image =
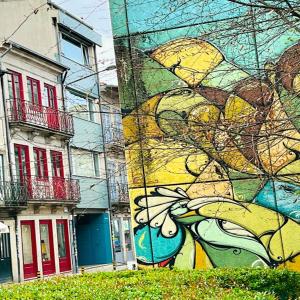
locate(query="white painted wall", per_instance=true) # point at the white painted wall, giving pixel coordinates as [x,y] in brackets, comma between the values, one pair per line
[33,21]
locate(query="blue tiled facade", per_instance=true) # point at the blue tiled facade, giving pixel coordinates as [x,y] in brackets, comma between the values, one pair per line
[93,225]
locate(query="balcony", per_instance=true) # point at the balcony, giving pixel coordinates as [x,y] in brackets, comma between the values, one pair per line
[12,195]
[114,139]
[53,190]
[119,194]
[46,118]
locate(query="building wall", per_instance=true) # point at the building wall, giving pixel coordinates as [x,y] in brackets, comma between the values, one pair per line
[35,26]
[212,137]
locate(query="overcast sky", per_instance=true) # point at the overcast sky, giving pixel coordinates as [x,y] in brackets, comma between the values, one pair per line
[96,13]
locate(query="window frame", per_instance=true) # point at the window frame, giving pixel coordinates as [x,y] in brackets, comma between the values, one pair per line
[18,148]
[41,155]
[50,87]
[21,87]
[89,103]
[84,47]
[96,164]
[32,80]
[57,164]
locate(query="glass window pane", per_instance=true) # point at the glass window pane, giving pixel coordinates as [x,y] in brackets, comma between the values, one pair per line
[61,241]
[45,243]
[96,164]
[86,58]
[1,168]
[117,236]
[26,244]
[72,49]
[77,105]
[36,163]
[10,88]
[17,163]
[17,87]
[83,162]
[91,110]
[127,235]
[29,90]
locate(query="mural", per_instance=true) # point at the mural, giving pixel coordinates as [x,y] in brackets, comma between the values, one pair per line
[212,144]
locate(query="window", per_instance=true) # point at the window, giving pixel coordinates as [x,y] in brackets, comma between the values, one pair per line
[117,242]
[96,164]
[106,117]
[50,99]
[75,50]
[112,180]
[80,106]
[57,164]
[22,162]
[34,91]
[86,163]
[40,163]
[127,234]
[15,86]
[61,240]
[1,168]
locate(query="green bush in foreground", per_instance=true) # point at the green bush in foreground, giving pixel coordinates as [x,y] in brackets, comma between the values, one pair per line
[163,284]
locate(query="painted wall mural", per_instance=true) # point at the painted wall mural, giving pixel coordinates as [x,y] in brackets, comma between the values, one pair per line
[211,107]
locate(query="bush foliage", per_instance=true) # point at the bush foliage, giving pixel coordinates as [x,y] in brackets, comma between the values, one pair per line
[214,284]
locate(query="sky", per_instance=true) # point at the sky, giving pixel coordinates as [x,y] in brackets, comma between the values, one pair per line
[96,13]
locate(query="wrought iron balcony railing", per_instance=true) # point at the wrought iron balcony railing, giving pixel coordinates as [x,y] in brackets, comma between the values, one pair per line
[12,194]
[114,138]
[41,116]
[51,189]
[119,194]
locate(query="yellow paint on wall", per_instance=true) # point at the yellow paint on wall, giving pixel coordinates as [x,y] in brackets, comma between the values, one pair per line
[164,163]
[147,122]
[213,181]
[190,59]
[202,261]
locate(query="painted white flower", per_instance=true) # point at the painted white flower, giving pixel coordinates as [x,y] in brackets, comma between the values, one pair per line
[157,210]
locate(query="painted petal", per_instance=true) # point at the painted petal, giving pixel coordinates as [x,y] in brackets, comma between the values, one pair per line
[153,201]
[169,228]
[159,219]
[169,193]
[146,215]
[199,202]
[235,229]
[182,192]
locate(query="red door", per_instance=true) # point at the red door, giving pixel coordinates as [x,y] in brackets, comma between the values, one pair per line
[29,249]
[63,245]
[23,167]
[47,250]
[34,110]
[58,175]
[52,109]
[16,95]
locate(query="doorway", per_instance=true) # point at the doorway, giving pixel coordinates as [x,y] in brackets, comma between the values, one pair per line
[5,258]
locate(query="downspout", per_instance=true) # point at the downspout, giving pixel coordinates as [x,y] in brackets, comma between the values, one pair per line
[74,240]
[106,169]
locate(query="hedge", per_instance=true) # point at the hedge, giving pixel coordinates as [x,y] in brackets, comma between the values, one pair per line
[213,284]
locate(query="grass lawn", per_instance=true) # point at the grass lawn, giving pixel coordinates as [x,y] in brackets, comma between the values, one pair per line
[163,284]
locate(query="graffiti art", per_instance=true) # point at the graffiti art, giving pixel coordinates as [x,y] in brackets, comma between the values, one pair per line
[212,151]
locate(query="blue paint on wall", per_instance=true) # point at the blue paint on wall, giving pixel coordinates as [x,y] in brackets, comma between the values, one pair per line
[168,247]
[287,198]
